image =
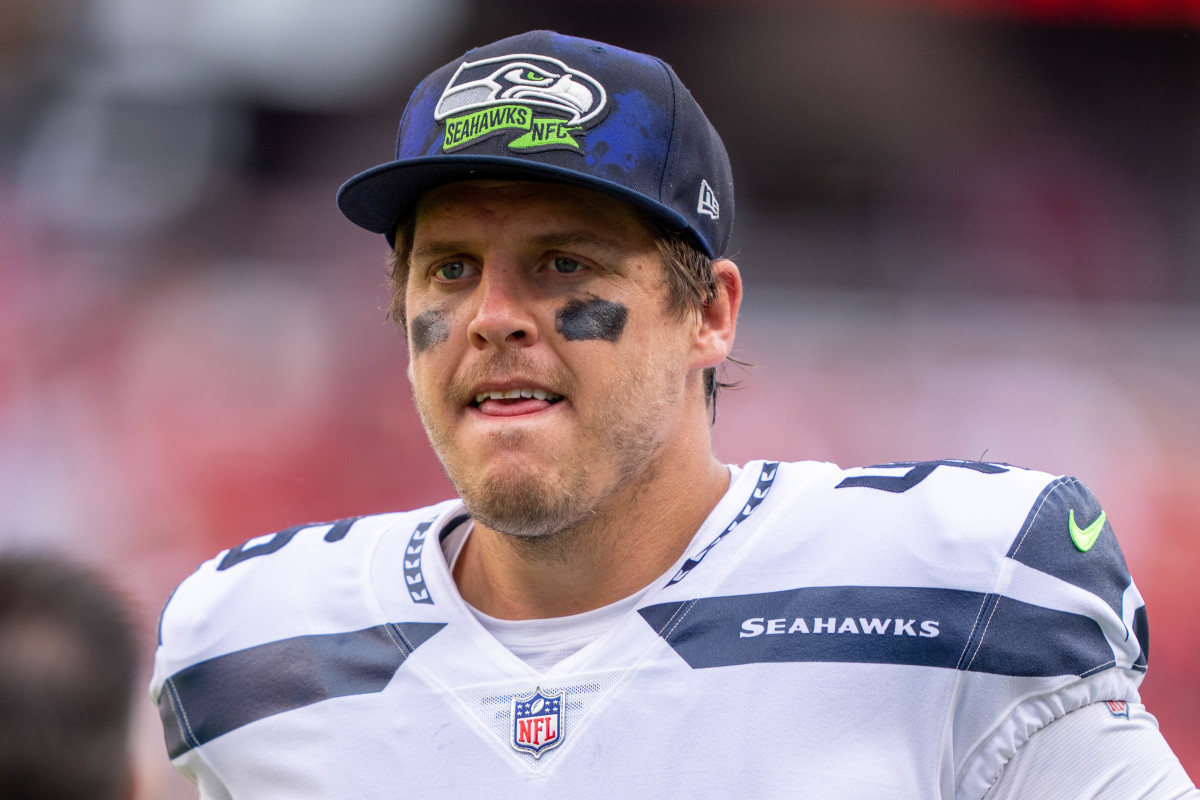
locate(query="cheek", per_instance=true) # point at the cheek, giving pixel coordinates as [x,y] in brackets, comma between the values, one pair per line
[427,330]
[591,319]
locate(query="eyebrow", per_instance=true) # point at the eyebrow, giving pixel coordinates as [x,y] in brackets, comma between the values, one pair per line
[568,239]
[435,249]
[563,240]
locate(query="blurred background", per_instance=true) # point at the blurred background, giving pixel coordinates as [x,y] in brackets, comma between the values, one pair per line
[969,228]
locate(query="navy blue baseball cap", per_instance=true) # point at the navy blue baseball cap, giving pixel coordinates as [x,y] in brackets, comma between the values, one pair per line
[543,106]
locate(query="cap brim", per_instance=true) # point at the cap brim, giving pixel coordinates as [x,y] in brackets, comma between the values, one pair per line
[378,198]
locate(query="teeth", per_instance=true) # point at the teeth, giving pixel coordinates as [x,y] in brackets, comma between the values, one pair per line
[513,394]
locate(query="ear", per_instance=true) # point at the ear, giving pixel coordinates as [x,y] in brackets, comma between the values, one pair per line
[718,322]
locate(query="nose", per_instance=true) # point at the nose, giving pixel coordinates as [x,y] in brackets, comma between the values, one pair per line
[503,314]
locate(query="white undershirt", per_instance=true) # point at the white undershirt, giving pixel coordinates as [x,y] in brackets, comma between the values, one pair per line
[542,643]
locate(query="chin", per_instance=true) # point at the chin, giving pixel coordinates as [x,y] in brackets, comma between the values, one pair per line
[524,505]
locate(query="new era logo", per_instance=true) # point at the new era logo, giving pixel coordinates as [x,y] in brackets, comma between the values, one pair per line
[708,205]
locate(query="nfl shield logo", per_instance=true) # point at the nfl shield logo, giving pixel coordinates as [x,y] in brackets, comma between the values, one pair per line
[537,722]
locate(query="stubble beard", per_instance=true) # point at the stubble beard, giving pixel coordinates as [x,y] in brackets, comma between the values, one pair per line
[543,509]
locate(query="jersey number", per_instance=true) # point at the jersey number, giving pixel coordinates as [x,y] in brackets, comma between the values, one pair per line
[248,550]
[918,471]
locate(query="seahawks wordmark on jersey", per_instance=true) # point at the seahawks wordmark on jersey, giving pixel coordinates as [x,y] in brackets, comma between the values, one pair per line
[888,632]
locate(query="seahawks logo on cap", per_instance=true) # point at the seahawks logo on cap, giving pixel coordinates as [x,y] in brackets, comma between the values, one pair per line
[515,94]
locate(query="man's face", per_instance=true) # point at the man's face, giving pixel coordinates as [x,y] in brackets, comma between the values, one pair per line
[545,365]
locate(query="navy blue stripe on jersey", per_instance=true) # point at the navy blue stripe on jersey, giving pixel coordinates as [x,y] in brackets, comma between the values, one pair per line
[1032,641]
[1141,629]
[766,478]
[451,526]
[881,625]
[1045,544]
[222,694]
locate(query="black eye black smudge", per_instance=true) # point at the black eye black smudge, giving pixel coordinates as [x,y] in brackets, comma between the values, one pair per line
[428,329]
[593,318]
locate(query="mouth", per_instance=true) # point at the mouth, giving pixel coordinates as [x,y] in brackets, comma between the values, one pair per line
[514,402]
[516,394]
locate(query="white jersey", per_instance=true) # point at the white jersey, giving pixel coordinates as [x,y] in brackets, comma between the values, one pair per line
[891,632]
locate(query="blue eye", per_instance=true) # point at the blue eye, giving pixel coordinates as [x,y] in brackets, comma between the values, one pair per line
[451,272]
[565,266]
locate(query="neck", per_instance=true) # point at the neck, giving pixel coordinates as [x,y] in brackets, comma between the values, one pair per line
[638,535]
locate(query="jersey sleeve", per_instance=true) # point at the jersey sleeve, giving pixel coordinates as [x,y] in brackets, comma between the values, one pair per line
[246,637]
[1104,751]
[179,642]
[1064,627]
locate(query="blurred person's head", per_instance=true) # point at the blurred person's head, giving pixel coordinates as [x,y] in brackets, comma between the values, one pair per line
[68,666]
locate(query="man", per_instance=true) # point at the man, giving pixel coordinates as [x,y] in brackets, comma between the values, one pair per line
[606,610]
[68,664]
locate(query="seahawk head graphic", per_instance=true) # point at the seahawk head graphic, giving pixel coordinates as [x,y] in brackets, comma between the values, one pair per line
[535,80]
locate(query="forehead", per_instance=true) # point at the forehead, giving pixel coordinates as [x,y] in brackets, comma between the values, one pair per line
[527,208]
